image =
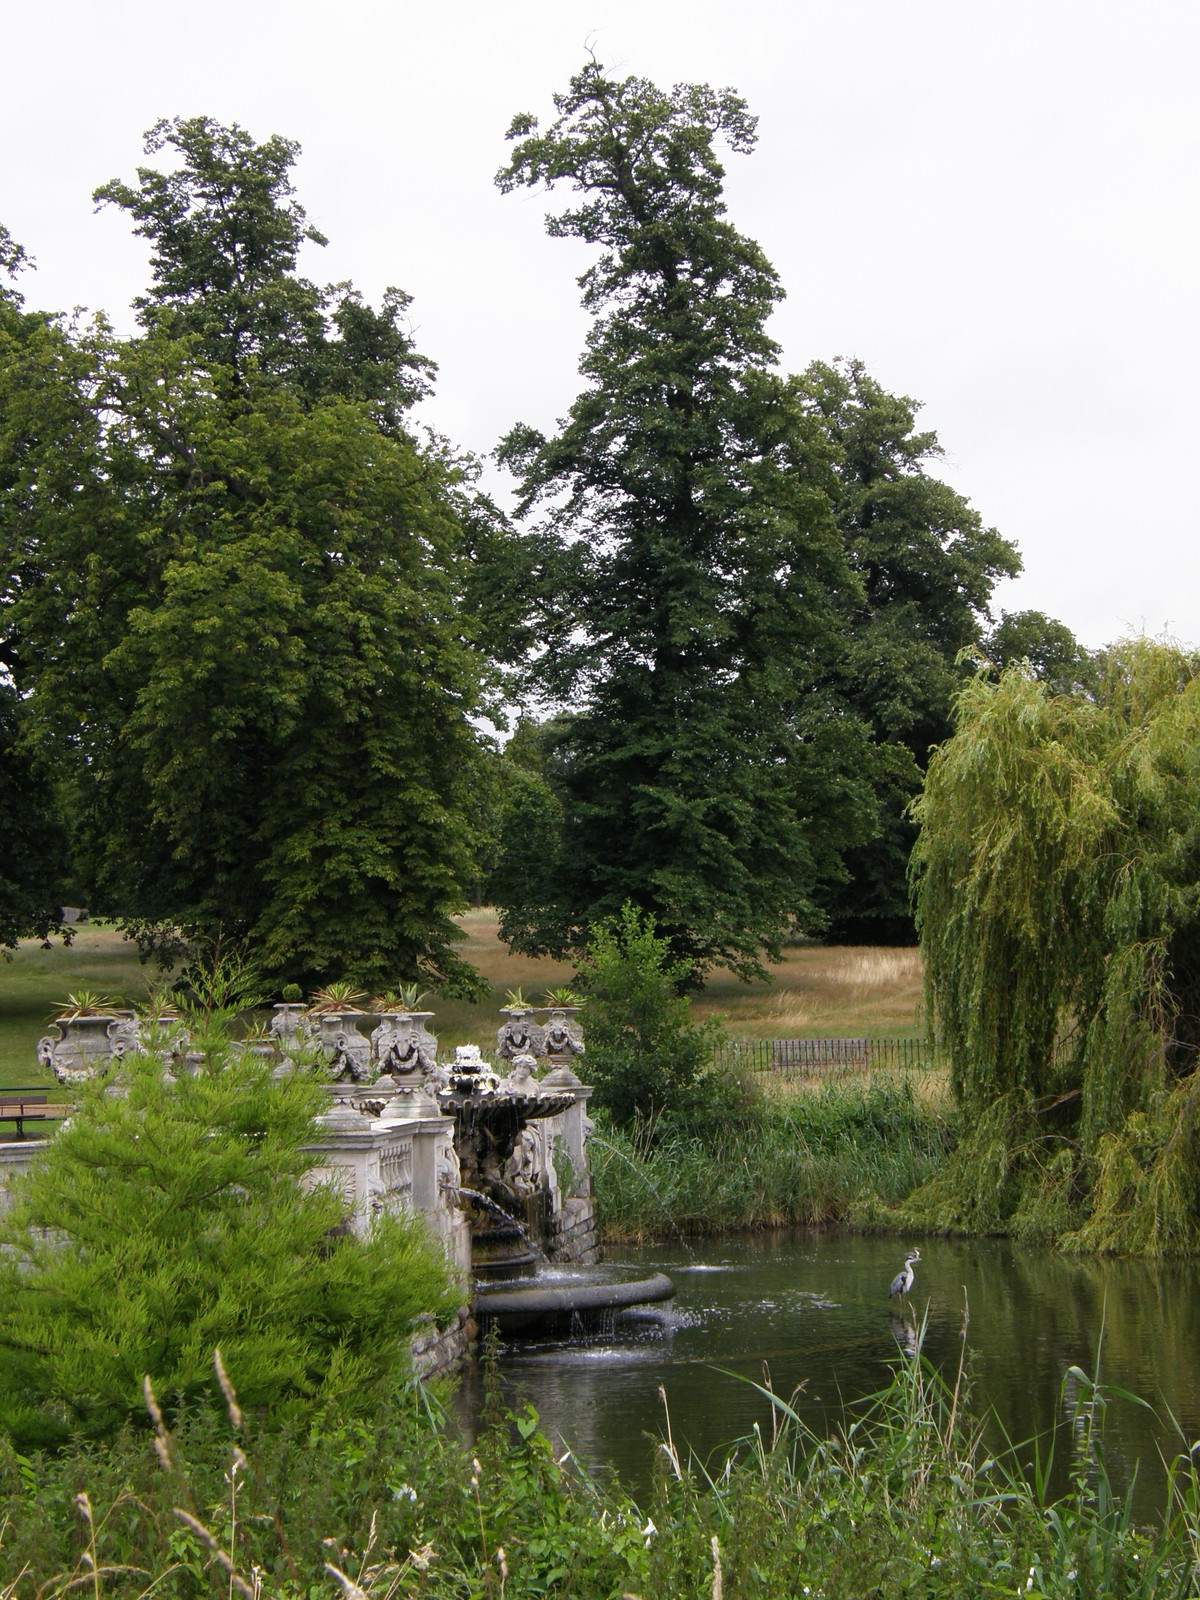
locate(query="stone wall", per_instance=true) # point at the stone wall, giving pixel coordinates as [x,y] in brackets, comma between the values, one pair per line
[435,1350]
[573,1233]
[16,1158]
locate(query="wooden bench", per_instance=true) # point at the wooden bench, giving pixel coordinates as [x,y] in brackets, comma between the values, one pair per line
[29,1105]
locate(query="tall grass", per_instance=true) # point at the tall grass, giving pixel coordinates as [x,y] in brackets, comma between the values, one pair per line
[900,1500]
[828,1155]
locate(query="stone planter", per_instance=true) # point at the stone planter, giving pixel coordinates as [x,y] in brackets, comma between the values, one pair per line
[563,1035]
[87,1045]
[402,1044]
[290,1027]
[405,1053]
[346,1050]
[520,1034]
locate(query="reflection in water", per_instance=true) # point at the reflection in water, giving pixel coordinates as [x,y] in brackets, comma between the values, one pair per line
[812,1310]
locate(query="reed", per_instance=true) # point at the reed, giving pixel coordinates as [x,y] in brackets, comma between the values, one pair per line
[832,1154]
[900,1499]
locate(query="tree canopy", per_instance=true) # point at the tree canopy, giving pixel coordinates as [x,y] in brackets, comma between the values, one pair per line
[687,498]
[252,626]
[236,590]
[1056,878]
[927,566]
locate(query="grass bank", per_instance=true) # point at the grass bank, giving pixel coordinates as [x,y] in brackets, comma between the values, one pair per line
[900,1501]
[833,1152]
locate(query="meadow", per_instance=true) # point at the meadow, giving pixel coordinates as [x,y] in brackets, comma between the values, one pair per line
[816,991]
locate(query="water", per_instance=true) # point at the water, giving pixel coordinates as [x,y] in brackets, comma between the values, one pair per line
[814,1309]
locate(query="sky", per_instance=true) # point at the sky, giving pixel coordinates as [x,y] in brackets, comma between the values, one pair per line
[992,205]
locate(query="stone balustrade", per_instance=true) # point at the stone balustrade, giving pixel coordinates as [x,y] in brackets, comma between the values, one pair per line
[384,1143]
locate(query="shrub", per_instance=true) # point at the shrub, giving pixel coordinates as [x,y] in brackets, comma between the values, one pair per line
[169,1217]
[645,1056]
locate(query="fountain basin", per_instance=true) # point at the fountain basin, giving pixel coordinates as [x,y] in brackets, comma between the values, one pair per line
[544,1305]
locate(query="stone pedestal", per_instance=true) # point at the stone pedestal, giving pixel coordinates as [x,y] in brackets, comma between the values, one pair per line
[348,1161]
[393,1164]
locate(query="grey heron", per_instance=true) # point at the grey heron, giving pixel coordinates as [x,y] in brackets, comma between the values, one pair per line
[903,1281]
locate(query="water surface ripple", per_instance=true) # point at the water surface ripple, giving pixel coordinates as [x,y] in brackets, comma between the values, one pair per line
[813,1308]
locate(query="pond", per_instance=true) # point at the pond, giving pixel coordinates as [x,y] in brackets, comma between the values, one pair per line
[813,1307]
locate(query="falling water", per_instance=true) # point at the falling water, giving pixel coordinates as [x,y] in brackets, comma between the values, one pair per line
[638,1173]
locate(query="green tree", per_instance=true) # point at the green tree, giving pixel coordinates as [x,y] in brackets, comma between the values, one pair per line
[171,1218]
[645,1056]
[34,865]
[927,567]
[251,617]
[688,600]
[226,231]
[1056,878]
[33,838]
[1051,649]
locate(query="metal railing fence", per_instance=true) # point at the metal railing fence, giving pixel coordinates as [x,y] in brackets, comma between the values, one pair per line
[803,1056]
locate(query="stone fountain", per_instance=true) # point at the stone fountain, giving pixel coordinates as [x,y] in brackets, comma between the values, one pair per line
[505,1178]
[496,1161]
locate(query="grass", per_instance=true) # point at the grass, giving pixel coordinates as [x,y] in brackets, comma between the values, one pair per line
[901,1500]
[817,990]
[839,1152]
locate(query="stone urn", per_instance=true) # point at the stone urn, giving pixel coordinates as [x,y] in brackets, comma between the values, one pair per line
[519,1034]
[87,1044]
[290,1026]
[405,1055]
[563,1035]
[347,1051]
[402,1044]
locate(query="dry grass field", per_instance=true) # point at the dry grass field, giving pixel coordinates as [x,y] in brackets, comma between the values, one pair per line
[817,990]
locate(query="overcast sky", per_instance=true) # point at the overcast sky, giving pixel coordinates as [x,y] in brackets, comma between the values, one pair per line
[993,205]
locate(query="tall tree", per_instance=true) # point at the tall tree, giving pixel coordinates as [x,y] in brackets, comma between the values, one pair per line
[226,231]
[927,567]
[245,618]
[33,831]
[688,494]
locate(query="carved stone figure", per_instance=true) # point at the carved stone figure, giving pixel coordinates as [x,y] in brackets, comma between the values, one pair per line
[402,1044]
[347,1051]
[520,1079]
[519,1034]
[563,1035]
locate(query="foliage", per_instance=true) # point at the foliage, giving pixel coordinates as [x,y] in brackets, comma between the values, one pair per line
[33,824]
[927,568]
[225,233]
[236,590]
[338,996]
[169,1217]
[1055,656]
[1056,881]
[687,603]
[33,882]
[83,1003]
[899,1500]
[564,995]
[838,1153]
[645,1056]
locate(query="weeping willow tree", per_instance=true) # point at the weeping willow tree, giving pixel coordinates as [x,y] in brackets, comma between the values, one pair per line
[1057,887]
